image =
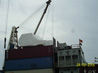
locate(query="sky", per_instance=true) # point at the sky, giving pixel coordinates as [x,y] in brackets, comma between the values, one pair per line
[66,20]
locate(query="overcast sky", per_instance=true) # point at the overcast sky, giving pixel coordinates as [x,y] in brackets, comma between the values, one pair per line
[66,20]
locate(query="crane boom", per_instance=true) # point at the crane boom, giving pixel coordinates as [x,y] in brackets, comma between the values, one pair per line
[48,3]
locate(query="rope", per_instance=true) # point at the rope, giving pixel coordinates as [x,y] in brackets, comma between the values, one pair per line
[27,19]
[45,24]
[52,20]
[51,34]
[6,22]
[1,35]
[0,2]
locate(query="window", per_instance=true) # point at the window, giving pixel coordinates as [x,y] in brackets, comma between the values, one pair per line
[68,60]
[79,51]
[61,52]
[75,56]
[61,58]
[68,57]
[75,59]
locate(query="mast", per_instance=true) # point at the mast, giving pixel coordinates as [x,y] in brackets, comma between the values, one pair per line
[48,3]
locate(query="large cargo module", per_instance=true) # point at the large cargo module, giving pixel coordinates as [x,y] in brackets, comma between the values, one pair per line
[30,52]
[32,71]
[30,63]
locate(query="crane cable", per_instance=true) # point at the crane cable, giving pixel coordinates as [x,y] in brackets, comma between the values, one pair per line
[43,33]
[30,16]
[52,22]
[6,23]
[43,14]
[0,2]
[52,19]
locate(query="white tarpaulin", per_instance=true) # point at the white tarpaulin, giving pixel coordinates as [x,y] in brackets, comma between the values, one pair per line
[32,40]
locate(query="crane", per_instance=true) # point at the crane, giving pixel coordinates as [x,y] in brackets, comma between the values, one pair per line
[13,41]
[48,3]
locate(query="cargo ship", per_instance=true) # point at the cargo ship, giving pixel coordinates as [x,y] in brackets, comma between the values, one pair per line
[35,58]
[44,56]
[30,54]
